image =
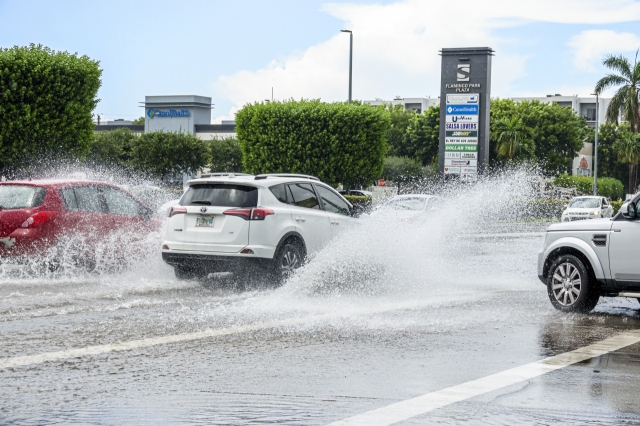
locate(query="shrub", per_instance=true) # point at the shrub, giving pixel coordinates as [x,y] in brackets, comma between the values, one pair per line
[616,205]
[360,204]
[338,143]
[607,187]
[226,155]
[46,100]
[168,154]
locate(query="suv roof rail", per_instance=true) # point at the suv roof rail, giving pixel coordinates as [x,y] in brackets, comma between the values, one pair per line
[221,174]
[289,175]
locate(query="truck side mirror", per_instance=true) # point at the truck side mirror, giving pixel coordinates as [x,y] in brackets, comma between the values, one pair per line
[629,210]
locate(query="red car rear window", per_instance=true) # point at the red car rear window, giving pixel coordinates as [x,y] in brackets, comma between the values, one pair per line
[21,196]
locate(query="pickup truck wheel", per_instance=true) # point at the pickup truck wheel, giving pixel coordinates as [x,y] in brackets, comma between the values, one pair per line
[570,287]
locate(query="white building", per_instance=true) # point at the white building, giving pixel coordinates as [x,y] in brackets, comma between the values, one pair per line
[176,113]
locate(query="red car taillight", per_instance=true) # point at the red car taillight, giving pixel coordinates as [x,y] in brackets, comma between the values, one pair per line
[38,219]
[258,213]
[177,210]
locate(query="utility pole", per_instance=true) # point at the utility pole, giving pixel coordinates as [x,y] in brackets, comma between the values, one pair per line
[350,58]
[595,150]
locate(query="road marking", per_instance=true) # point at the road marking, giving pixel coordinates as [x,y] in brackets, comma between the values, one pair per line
[404,410]
[163,340]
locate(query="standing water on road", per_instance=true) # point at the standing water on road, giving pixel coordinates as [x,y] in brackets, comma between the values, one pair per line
[386,262]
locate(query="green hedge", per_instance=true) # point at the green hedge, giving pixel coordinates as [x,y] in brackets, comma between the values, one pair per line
[338,143]
[46,100]
[607,187]
[360,203]
[616,205]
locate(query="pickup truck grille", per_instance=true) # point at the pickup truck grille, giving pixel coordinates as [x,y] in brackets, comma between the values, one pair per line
[599,240]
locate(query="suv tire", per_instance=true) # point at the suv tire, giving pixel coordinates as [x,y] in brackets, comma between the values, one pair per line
[570,286]
[288,258]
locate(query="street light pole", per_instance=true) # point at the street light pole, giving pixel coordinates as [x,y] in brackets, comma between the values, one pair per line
[350,58]
[595,150]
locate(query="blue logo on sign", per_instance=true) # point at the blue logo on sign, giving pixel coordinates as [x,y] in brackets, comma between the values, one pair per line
[462,109]
[171,113]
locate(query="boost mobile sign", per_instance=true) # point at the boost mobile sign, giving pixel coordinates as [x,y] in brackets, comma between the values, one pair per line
[464,112]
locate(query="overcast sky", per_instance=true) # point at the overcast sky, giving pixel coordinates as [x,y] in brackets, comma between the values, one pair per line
[236,51]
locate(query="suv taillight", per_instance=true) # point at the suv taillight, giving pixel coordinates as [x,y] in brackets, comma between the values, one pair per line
[177,210]
[38,219]
[257,213]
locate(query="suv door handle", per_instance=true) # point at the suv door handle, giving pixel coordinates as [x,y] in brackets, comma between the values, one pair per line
[300,219]
[617,230]
[333,222]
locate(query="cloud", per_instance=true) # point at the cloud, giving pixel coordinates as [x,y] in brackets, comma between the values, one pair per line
[592,45]
[396,47]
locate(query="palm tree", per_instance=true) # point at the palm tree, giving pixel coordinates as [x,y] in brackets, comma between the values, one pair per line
[511,135]
[628,150]
[626,98]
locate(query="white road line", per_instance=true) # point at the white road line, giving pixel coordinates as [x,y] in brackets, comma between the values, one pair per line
[153,341]
[403,410]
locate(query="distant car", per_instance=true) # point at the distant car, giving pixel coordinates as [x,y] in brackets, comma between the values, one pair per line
[410,205]
[357,192]
[245,223]
[38,216]
[587,207]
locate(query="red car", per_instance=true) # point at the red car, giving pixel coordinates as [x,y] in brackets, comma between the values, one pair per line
[43,216]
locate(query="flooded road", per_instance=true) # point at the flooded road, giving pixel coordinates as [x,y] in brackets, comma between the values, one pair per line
[391,311]
[345,352]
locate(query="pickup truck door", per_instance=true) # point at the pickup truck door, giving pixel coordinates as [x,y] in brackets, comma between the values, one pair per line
[624,253]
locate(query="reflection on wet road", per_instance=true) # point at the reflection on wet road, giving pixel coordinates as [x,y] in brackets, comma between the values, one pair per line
[443,306]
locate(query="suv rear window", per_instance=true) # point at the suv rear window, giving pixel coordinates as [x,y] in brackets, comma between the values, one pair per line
[220,195]
[21,196]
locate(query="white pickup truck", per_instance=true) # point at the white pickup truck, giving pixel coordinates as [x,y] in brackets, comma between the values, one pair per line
[583,260]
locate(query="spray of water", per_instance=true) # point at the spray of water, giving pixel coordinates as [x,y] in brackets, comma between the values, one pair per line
[384,260]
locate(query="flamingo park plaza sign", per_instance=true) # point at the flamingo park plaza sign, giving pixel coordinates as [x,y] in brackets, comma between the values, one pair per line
[464,112]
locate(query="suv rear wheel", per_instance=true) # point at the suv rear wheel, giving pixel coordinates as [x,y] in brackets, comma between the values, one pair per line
[288,258]
[570,287]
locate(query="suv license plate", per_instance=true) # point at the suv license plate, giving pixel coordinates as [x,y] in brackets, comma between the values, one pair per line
[204,221]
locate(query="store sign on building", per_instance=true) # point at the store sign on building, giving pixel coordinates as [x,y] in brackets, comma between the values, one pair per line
[170,113]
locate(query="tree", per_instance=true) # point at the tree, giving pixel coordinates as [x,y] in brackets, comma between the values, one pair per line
[169,155]
[628,150]
[113,147]
[422,138]
[46,100]
[627,97]
[338,142]
[512,137]
[399,121]
[401,170]
[226,155]
[138,121]
[608,163]
[557,133]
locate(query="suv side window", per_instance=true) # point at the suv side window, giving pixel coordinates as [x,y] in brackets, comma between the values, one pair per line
[332,202]
[121,203]
[83,199]
[280,192]
[304,196]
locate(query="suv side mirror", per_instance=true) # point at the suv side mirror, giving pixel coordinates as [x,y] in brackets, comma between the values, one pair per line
[629,210]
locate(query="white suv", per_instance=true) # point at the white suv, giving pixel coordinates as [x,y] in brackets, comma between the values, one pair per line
[583,260]
[238,222]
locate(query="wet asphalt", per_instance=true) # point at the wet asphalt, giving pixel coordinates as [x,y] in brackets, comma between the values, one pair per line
[346,353]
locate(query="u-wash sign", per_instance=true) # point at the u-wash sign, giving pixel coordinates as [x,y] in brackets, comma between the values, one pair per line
[170,113]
